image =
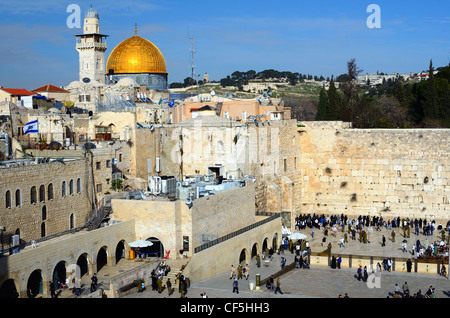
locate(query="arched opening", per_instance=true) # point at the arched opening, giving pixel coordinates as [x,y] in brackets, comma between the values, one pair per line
[8,289]
[120,251]
[71,222]
[35,284]
[50,192]
[59,274]
[18,198]
[44,213]
[254,250]
[264,245]
[8,199]
[33,195]
[43,229]
[243,257]
[41,193]
[102,258]
[63,189]
[71,187]
[275,242]
[82,263]
[156,250]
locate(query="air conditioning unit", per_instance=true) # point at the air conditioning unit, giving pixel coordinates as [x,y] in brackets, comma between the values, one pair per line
[15,240]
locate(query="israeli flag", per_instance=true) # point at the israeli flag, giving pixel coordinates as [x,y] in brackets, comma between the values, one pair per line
[31,128]
[171,103]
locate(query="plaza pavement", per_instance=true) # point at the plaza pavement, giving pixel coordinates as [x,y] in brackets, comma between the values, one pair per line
[323,281]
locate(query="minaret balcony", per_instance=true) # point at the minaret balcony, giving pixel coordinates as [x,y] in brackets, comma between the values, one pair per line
[91,45]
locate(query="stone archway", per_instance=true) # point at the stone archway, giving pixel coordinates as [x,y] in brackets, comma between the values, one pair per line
[59,274]
[83,264]
[265,245]
[35,284]
[120,251]
[102,258]
[254,251]
[9,289]
[243,257]
[156,250]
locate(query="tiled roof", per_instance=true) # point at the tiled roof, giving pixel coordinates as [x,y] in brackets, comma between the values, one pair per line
[18,91]
[50,88]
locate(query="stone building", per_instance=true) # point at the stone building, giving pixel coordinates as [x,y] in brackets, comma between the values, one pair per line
[40,199]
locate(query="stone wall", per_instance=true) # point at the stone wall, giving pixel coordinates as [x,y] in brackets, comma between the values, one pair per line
[169,221]
[270,153]
[387,172]
[68,249]
[62,212]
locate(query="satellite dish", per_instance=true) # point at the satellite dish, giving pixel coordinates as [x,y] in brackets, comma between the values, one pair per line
[86,80]
[213,93]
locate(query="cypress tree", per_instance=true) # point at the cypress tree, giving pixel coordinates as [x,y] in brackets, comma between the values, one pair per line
[334,102]
[432,100]
[323,108]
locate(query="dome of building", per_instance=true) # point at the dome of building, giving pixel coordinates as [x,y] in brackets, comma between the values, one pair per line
[136,55]
[91,13]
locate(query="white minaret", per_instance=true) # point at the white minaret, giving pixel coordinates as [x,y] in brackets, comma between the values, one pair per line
[91,46]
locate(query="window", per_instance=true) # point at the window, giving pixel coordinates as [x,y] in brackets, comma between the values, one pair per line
[97,165]
[78,185]
[33,195]
[42,193]
[244,115]
[71,222]
[50,192]
[120,157]
[285,165]
[63,190]
[44,213]
[71,187]
[18,198]
[108,163]
[99,188]
[8,199]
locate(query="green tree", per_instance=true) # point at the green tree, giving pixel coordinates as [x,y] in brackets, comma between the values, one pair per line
[334,101]
[431,109]
[323,108]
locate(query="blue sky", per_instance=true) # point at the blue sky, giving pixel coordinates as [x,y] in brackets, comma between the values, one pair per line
[309,37]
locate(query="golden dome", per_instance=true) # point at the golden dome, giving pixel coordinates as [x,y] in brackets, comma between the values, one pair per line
[134,56]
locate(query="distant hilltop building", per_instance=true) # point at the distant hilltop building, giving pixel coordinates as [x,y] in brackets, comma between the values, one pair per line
[134,72]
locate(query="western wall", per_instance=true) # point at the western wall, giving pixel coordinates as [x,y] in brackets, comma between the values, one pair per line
[385,172]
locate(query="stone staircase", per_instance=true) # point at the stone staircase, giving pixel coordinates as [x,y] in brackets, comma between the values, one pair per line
[175,269]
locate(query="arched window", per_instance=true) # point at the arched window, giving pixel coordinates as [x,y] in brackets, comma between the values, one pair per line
[63,191]
[32,195]
[44,213]
[8,199]
[71,187]
[18,198]
[42,193]
[50,192]
[78,185]
[71,222]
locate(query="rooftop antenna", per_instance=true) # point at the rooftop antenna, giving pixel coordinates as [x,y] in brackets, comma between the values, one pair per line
[192,64]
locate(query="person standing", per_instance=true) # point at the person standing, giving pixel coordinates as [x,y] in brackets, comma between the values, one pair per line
[169,287]
[52,290]
[383,241]
[408,265]
[236,286]
[246,271]
[278,286]
[232,272]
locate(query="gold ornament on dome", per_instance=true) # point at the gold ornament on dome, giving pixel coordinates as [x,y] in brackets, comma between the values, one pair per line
[136,55]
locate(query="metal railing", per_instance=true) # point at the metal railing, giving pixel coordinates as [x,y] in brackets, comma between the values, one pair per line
[235,233]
